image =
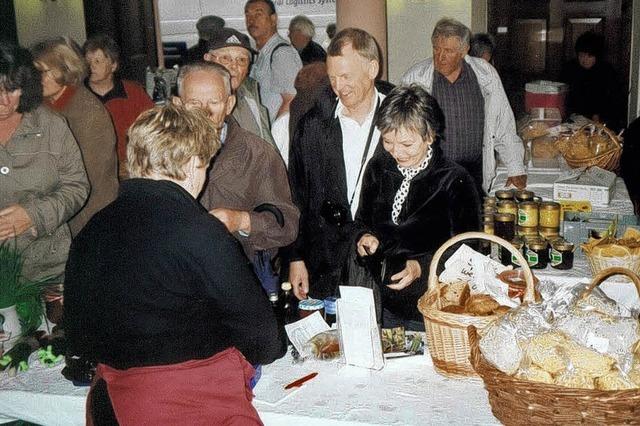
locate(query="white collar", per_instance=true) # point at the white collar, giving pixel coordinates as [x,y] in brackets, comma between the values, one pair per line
[340,108]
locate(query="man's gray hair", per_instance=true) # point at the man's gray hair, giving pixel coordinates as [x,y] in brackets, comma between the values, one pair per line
[449,27]
[208,67]
[304,25]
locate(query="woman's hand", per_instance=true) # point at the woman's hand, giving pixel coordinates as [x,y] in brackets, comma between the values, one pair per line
[367,245]
[14,221]
[407,276]
[299,278]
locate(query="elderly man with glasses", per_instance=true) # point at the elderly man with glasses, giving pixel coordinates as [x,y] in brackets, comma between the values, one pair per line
[232,49]
[247,187]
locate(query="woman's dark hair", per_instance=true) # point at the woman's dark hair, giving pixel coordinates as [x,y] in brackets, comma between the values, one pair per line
[105,43]
[591,43]
[18,72]
[480,43]
[411,108]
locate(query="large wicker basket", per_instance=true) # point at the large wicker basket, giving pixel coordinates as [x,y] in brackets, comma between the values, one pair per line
[609,160]
[447,336]
[521,402]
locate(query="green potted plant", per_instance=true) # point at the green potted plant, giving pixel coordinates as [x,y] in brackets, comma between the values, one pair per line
[21,308]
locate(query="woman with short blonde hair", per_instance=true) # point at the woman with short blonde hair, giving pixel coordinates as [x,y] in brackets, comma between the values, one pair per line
[161,144]
[161,296]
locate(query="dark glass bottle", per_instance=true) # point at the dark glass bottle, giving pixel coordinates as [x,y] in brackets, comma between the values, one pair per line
[288,304]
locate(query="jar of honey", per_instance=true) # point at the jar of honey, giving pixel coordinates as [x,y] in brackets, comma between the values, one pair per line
[309,306]
[549,213]
[504,194]
[561,255]
[549,234]
[508,206]
[524,195]
[489,210]
[528,214]
[518,243]
[489,201]
[504,225]
[537,254]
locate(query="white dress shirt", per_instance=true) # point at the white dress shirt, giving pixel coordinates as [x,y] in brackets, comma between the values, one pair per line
[354,140]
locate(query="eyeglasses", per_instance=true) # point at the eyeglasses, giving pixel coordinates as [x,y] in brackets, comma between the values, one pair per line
[226,60]
[196,104]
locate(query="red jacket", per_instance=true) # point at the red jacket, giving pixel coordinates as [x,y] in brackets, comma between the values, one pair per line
[124,102]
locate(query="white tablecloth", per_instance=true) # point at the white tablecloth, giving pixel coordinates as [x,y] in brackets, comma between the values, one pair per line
[541,181]
[406,392]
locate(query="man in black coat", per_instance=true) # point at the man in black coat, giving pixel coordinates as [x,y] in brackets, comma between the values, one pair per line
[329,152]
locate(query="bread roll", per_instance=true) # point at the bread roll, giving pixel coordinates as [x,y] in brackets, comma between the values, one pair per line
[614,380]
[481,305]
[455,293]
[453,309]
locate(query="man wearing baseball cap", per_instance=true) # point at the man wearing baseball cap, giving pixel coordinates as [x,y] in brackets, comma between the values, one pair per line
[232,49]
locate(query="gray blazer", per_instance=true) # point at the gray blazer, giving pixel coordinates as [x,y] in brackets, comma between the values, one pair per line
[247,93]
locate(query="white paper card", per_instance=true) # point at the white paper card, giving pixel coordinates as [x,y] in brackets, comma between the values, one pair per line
[300,332]
[359,334]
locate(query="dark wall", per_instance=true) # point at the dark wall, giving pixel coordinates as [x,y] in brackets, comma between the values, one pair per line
[8,29]
[131,24]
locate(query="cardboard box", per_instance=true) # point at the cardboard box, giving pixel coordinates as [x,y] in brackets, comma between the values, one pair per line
[577,227]
[585,184]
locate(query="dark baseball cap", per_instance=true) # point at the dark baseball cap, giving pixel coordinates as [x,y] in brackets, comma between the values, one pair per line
[229,37]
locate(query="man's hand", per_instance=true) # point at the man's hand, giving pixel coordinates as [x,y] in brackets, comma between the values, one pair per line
[407,276]
[14,221]
[519,182]
[299,279]
[367,245]
[234,220]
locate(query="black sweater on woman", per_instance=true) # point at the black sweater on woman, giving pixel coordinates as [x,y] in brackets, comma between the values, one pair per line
[154,279]
[442,202]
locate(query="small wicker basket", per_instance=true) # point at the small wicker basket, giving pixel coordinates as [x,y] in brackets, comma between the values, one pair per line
[600,263]
[521,402]
[447,336]
[609,160]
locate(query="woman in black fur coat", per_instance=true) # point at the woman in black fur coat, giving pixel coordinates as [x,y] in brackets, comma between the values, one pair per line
[413,200]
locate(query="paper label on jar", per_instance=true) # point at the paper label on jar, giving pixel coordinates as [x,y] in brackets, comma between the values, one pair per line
[523,217]
[514,260]
[556,257]
[532,257]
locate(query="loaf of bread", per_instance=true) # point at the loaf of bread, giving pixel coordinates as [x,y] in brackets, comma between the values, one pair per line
[575,378]
[535,374]
[480,305]
[614,380]
[544,351]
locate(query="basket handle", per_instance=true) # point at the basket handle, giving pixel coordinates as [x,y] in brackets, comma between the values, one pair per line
[608,131]
[606,273]
[434,283]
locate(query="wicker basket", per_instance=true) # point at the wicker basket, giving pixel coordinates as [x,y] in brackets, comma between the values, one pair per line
[600,263]
[447,335]
[520,402]
[609,160]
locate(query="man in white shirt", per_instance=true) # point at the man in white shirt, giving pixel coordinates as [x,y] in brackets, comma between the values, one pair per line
[328,155]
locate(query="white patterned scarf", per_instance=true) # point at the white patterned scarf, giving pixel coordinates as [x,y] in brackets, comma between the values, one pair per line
[409,173]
